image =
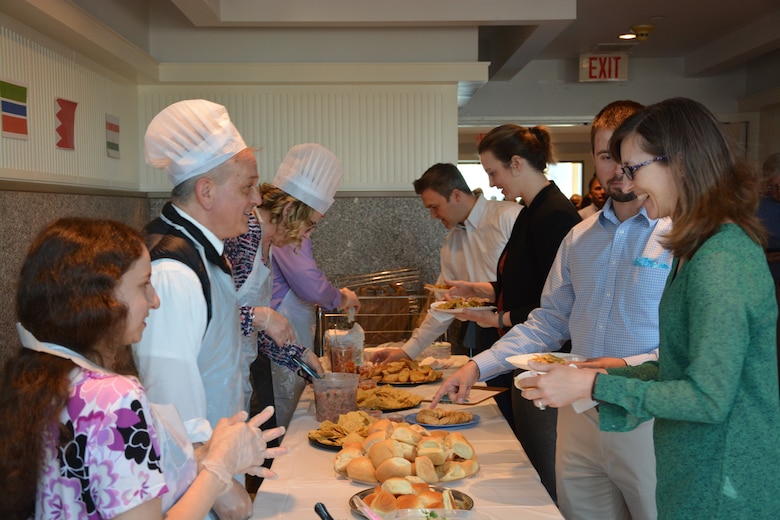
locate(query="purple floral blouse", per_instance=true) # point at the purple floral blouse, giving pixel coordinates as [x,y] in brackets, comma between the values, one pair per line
[104,458]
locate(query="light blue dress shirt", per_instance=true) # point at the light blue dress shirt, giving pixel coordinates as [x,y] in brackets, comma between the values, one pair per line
[602,292]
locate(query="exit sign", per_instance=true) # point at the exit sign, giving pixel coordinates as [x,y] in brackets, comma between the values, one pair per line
[604,67]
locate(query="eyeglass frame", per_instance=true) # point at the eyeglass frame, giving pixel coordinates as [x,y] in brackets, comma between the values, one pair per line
[629,171]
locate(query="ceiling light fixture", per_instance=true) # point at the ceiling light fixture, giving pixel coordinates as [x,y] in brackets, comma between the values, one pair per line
[642,31]
[627,36]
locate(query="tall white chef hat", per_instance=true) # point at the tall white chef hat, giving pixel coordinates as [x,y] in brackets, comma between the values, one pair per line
[310,173]
[189,138]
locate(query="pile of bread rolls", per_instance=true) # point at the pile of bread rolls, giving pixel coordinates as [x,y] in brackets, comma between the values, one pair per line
[400,450]
[399,493]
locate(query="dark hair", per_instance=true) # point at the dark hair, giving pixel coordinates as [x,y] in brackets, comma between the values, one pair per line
[611,116]
[593,180]
[298,216]
[442,178]
[532,144]
[714,184]
[65,296]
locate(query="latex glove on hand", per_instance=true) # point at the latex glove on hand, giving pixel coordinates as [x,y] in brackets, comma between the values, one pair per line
[274,325]
[238,446]
[311,359]
[349,299]
[388,355]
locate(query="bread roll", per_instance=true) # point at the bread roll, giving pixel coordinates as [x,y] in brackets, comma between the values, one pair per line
[384,502]
[420,487]
[373,438]
[424,468]
[429,497]
[406,435]
[448,500]
[452,470]
[408,451]
[395,467]
[398,486]
[456,443]
[360,468]
[383,450]
[344,456]
[369,498]
[433,448]
[408,502]
[381,425]
[470,467]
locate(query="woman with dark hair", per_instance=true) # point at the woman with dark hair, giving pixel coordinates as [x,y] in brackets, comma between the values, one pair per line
[515,159]
[713,391]
[79,437]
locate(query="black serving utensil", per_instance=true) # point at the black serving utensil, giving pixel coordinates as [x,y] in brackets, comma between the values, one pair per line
[322,511]
[306,368]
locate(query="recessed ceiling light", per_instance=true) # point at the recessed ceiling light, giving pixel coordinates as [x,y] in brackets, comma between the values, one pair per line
[627,36]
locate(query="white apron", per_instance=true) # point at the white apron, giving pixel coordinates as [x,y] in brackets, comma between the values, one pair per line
[177,457]
[287,385]
[256,292]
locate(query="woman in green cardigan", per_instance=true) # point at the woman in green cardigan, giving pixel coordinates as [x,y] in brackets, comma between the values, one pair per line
[714,390]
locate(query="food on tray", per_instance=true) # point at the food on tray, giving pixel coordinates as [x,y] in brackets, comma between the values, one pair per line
[352,426]
[549,359]
[463,303]
[398,450]
[399,493]
[403,371]
[441,416]
[386,397]
[437,286]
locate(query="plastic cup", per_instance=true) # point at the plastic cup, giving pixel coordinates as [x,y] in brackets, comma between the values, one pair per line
[335,394]
[343,358]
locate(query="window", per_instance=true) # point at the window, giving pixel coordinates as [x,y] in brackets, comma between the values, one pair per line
[566,175]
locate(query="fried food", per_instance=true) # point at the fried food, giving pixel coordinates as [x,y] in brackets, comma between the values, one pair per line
[386,397]
[463,303]
[403,371]
[548,359]
[441,416]
[431,287]
[349,424]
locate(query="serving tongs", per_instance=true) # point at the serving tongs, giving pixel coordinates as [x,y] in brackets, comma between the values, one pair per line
[306,368]
[322,511]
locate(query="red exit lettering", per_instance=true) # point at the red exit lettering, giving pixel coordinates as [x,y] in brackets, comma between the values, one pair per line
[604,67]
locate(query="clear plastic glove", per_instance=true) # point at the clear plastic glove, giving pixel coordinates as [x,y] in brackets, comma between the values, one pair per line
[311,359]
[237,446]
[349,299]
[387,355]
[274,324]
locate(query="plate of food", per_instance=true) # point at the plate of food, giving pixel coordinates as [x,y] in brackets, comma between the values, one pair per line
[351,427]
[561,358]
[387,399]
[458,305]
[441,418]
[403,372]
[399,496]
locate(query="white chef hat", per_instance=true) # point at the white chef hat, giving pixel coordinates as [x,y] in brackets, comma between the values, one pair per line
[189,138]
[310,173]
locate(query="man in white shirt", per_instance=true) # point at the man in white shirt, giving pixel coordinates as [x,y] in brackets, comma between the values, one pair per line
[190,354]
[602,292]
[479,230]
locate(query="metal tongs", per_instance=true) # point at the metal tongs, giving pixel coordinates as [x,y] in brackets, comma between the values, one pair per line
[322,511]
[306,368]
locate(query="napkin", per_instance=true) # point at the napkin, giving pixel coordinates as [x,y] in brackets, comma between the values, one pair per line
[579,406]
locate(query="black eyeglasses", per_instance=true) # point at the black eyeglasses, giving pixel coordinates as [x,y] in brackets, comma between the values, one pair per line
[629,171]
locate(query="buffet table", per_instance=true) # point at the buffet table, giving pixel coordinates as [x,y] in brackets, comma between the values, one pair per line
[506,487]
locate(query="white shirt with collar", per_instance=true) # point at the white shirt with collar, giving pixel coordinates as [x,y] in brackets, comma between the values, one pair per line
[470,252]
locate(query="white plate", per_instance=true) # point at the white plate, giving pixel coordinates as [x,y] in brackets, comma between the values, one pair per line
[435,306]
[521,360]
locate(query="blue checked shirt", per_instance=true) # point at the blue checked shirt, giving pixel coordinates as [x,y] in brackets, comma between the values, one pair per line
[602,292]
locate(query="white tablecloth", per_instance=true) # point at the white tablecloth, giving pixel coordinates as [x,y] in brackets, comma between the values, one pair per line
[506,487]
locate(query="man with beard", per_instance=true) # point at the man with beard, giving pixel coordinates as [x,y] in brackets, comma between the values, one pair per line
[602,293]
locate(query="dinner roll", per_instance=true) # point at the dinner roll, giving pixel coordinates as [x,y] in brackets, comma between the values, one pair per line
[452,470]
[470,467]
[406,435]
[456,443]
[395,467]
[381,425]
[398,486]
[433,448]
[424,468]
[384,502]
[448,500]
[383,450]
[420,487]
[373,438]
[408,502]
[361,468]
[429,497]
[344,456]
